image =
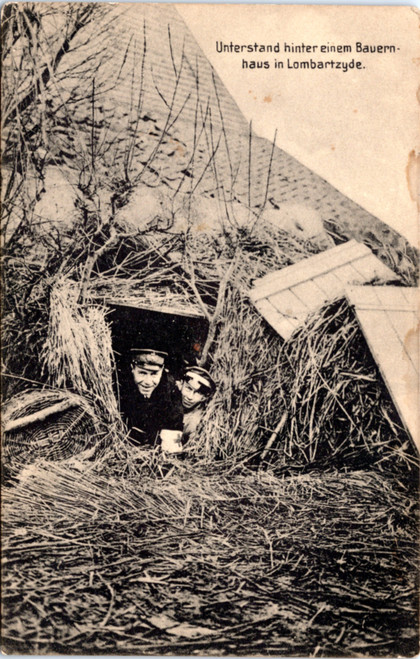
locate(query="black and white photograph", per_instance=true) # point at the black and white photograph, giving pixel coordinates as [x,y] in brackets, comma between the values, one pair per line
[210,330]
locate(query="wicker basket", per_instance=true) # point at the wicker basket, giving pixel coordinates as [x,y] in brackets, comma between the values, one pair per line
[50,424]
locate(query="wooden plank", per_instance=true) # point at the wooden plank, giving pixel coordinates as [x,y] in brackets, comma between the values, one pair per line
[383,297]
[323,257]
[392,297]
[399,314]
[282,325]
[379,307]
[289,305]
[411,295]
[283,329]
[405,324]
[307,269]
[406,297]
[331,285]
[362,294]
[348,275]
[144,305]
[389,353]
[372,268]
[397,370]
[310,293]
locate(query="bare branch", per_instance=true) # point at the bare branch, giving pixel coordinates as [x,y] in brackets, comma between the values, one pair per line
[81,20]
[249,163]
[130,152]
[171,51]
[193,285]
[267,184]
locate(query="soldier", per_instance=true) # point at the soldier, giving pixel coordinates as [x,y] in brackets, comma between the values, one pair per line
[197,387]
[151,403]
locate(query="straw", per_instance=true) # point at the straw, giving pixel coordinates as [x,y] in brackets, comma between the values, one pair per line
[78,351]
[340,410]
[210,563]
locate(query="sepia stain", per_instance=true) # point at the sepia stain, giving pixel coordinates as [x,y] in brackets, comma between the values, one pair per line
[411,343]
[332,147]
[355,111]
[412,172]
[202,226]
[267,99]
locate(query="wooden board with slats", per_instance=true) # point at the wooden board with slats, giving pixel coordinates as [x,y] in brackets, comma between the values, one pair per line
[286,297]
[389,319]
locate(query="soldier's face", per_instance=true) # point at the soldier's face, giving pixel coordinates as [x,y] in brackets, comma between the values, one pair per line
[191,394]
[146,377]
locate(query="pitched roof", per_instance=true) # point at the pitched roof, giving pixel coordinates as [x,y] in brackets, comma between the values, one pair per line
[203,100]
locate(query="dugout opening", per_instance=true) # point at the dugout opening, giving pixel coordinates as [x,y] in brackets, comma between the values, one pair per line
[180,333]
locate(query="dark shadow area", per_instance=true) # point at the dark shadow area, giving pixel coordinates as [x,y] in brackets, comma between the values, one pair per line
[182,336]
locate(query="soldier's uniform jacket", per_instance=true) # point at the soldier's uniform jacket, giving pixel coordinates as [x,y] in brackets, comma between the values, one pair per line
[146,417]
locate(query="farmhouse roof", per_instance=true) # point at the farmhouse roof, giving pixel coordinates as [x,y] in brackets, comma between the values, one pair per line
[167,37]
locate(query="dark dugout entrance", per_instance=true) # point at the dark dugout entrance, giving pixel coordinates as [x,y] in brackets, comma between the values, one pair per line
[180,333]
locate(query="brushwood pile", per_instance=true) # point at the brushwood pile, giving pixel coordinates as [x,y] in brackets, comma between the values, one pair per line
[209,563]
[289,524]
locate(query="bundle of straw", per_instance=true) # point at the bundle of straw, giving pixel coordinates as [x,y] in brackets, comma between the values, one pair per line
[246,367]
[245,358]
[78,351]
[25,309]
[340,410]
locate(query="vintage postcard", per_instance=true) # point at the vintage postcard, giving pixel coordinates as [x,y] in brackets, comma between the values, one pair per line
[210,362]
